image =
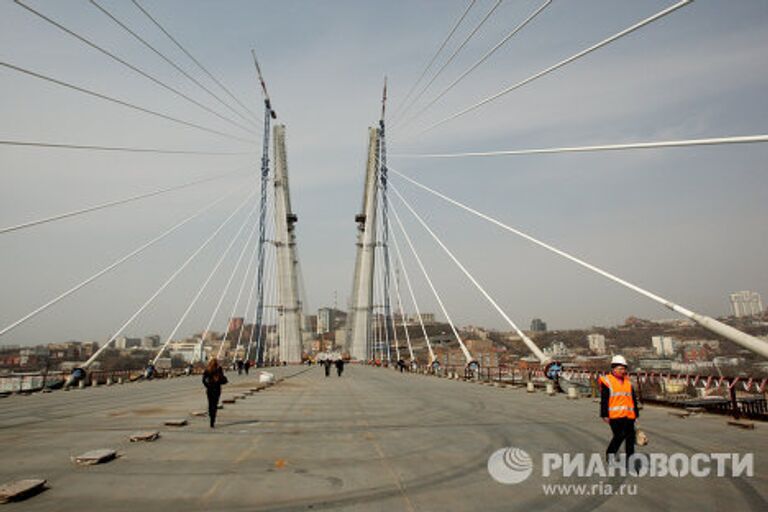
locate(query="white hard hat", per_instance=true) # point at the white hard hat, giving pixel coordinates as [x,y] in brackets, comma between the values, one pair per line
[619,360]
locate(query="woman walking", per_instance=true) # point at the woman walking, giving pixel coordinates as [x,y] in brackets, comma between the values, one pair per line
[213,379]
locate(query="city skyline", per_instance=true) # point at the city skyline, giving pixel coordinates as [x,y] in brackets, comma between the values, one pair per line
[685,223]
[411,319]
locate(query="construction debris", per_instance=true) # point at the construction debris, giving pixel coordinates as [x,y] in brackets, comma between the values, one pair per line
[746,425]
[21,489]
[144,436]
[95,457]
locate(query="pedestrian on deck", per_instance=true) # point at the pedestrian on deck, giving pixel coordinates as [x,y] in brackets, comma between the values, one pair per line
[618,408]
[150,371]
[246,366]
[327,365]
[339,367]
[213,379]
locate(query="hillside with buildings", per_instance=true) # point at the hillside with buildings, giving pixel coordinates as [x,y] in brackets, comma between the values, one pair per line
[677,345]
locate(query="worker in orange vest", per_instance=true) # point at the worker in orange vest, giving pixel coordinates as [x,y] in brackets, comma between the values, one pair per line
[618,407]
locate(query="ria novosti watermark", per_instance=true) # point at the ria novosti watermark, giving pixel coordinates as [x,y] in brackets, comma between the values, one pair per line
[512,466]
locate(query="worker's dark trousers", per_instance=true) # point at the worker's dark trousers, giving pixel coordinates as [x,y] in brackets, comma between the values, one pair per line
[623,432]
[213,403]
[327,370]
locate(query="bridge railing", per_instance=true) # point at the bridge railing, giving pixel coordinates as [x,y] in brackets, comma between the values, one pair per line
[741,396]
[29,382]
[38,381]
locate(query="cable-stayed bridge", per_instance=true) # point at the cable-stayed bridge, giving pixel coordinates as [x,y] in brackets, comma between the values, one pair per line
[401,428]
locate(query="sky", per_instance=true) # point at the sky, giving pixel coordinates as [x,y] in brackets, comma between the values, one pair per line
[686,223]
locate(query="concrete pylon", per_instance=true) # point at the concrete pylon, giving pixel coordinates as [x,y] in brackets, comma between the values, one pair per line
[289,306]
[361,311]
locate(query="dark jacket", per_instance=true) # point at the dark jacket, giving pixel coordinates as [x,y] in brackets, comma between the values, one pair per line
[605,395]
[214,380]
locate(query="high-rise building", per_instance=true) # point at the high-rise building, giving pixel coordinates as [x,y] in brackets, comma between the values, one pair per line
[124,342]
[235,324]
[556,349]
[665,345]
[746,303]
[210,336]
[596,343]
[151,341]
[427,318]
[189,351]
[310,324]
[329,319]
[89,348]
[340,339]
[538,325]
[323,320]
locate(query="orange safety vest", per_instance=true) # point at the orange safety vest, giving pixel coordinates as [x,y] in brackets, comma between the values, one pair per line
[620,404]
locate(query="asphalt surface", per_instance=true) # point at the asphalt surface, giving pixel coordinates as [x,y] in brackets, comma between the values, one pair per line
[370,440]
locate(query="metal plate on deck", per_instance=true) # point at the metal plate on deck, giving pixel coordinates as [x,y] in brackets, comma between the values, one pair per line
[175,423]
[95,457]
[747,425]
[20,489]
[144,436]
[199,413]
[228,401]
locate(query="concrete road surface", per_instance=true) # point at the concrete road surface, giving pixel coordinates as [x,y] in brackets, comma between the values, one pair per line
[371,440]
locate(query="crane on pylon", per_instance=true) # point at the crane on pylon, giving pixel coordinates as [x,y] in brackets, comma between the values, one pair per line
[269,114]
[388,326]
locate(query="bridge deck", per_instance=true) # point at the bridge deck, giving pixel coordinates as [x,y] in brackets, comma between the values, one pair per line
[371,440]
